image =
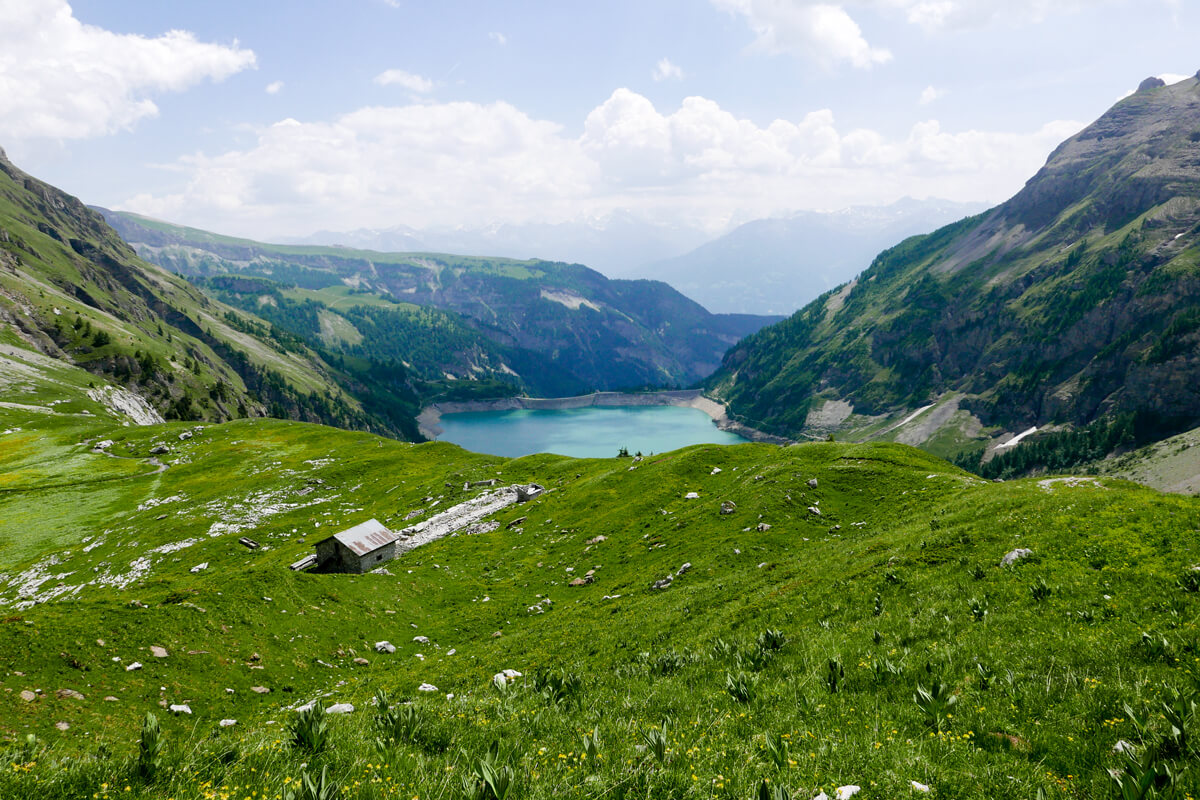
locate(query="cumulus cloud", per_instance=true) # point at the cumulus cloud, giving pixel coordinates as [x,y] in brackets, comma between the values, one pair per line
[274,87]
[407,80]
[445,164]
[929,94]
[824,32]
[62,79]
[665,70]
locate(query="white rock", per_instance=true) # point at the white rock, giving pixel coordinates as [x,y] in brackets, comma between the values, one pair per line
[158,652]
[340,708]
[180,708]
[716,471]
[1013,556]
[199,567]
[385,647]
[451,651]
[427,687]
[691,496]
[227,723]
[133,666]
[920,787]
[846,792]
[450,696]
[421,639]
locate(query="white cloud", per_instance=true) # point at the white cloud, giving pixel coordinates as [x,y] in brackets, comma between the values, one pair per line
[498,38]
[398,77]
[665,70]
[929,94]
[465,163]
[821,31]
[275,87]
[62,79]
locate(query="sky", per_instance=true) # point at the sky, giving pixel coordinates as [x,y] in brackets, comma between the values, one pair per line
[274,120]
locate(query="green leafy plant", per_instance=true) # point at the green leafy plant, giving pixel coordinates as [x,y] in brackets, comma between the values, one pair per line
[591,745]
[979,608]
[489,779]
[308,788]
[557,688]
[777,750]
[935,702]
[741,687]
[150,748]
[768,792]
[310,729]
[835,676]
[771,639]
[1040,590]
[655,740]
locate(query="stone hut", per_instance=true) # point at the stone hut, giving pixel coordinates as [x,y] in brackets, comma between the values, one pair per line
[359,549]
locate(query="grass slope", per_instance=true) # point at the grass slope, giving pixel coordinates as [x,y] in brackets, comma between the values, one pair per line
[893,587]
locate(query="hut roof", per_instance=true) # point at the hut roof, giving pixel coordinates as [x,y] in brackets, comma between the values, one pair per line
[365,537]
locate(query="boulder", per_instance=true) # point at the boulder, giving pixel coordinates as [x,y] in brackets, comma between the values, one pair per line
[159,449]
[1013,556]
[340,708]
[385,647]
[584,581]
[183,437]
[421,639]
[68,694]
[180,708]
[28,696]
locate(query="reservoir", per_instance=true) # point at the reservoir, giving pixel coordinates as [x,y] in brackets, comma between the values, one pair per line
[589,432]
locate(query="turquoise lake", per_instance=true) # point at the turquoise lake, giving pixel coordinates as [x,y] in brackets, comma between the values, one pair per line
[592,432]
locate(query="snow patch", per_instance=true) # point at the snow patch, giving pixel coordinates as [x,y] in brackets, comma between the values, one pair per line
[1017,439]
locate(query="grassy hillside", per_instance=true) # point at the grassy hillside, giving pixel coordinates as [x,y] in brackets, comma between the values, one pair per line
[1074,302]
[846,581]
[550,328]
[74,295]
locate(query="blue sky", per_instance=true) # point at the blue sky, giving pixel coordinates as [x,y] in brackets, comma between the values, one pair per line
[272,119]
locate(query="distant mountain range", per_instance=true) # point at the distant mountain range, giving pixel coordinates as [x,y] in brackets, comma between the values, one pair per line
[775,266]
[543,327]
[616,244]
[1074,304]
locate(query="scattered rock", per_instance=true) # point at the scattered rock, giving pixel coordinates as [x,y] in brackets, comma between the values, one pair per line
[199,568]
[227,723]
[260,690]
[665,583]
[159,449]
[133,666]
[65,694]
[158,652]
[28,696]
[183,437]
[686,566]
[919,787]
[812,483]
[427,687]
[180,708]
[421,639]
[1013,556]
[385,647]
[255,657]
[816,512]
[136,604]
[691,496]
[515,523]
[111,699]
[497,634]
[763,564]
[340,708]
[599,539]
[62,726]
[362,662]
[715,471]
[846,792]
[763,527]
[584,581]
[728,507]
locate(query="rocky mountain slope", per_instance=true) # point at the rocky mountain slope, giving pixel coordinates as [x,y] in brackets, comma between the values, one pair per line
[551,328]
[775,266]
[87,321]
[1074,301]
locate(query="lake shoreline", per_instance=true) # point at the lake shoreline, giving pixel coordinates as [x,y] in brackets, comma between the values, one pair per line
[431,415]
